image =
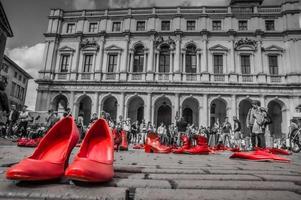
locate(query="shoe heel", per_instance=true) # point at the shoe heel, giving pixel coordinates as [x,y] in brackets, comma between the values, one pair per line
[147,149]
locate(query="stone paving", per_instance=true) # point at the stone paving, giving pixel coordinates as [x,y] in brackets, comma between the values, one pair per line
[158,176]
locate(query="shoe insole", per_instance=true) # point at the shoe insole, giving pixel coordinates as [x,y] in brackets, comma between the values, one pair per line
[55,152]
[97,149]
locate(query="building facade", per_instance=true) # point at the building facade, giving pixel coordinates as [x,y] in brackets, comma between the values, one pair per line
[203,63]
[17,82]
[5,32]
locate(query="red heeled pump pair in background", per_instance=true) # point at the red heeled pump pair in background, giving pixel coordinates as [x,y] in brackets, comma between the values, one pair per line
[93,162]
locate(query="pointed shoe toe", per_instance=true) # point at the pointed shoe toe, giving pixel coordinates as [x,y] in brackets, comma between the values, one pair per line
[50,158]
[94,161]
[89,171]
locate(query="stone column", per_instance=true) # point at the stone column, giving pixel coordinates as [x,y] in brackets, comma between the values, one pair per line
[120,110]
[145,62]
[198,70]
[99,59]
[262,102]
[177,106]
[124,66]
[205,73]
[177,69]
[184,62]
[150,68]
[148,112]
[157,61]
[234,107]
[95,103]
[203,116]
[261,73]
[131,62]
[71,103]
[171,62]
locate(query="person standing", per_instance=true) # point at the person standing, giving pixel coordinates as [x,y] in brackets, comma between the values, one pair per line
[227,128]
[12,119]
[250,121]
[236,130]
[24,118]
[259,126]
[182,126]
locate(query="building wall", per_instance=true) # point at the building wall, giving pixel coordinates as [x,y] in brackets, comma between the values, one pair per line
[176,89]
[16,77]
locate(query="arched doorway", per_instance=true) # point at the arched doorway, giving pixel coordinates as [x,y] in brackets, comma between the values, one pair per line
[190,111]
[85,106]
[217,111]
[136,109]
[275,112]
[244,107]
[110,106]
[60,104]
[163,111]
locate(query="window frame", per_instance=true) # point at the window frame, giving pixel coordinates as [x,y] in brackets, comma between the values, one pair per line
[273,69]
[114,29]
[190,27]
[87,67]
[164,28]
[165,55]
[267,27]
[218,69]
[65,63]
[243,25]
[191,55]
[244,66]
[139,28]
[216,27]
[93,26]
[138,67]
[112,67]
[70,30]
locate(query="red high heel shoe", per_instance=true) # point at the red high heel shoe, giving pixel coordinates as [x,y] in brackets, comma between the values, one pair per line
[200,148]
[124,141]
[94,161]
[186,145]
[50,158]
[153,145]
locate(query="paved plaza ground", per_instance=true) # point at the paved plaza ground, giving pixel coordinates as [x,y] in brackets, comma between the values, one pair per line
[157,176]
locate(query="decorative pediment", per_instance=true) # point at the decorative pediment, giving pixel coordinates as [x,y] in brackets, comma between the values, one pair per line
[274,48]
[66,49]
[113,48]
[246,45]
[89,45]
[218,47]
[159,40]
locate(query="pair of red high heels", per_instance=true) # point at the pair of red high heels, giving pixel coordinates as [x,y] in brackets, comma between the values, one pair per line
[93,162]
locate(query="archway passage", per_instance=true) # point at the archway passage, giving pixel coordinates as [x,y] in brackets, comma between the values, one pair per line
[85,106]
[163,111]
[136,109]
[164,115]
[244,107]
[110,106]
[275,112]
[190,111]
[217,111]
[60,103]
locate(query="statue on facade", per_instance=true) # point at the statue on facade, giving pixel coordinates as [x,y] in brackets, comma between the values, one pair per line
[246,42]
[86,43]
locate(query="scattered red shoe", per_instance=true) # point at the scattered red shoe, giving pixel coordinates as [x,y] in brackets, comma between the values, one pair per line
[153,145]
[50,158]
[94,161]
[259,155]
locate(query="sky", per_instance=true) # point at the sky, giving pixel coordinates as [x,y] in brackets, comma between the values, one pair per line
[29,20]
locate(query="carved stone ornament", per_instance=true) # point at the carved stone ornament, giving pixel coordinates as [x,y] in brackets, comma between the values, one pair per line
[160,40]
[246,42]
[91,44]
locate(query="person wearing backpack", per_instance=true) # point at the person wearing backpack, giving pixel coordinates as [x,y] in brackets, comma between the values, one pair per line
[259,126]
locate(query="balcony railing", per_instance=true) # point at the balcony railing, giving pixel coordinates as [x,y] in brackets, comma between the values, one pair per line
[164,77]
[219,78]
[61,76]
[110,76]
[276,79]
[136,77]
[86,76]
[191,77]
[247,78]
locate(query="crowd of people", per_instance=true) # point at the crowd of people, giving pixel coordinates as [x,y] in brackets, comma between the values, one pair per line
[221,132]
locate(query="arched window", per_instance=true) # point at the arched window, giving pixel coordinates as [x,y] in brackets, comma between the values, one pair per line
[164,59]
[138,59]
[190,59]
[298,109]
